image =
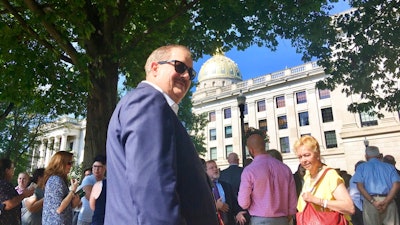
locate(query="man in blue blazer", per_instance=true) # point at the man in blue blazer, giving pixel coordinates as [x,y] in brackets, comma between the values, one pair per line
[233,173]
[154,173]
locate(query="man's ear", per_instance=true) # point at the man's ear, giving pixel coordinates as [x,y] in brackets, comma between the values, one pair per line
[154,69]
[250,150]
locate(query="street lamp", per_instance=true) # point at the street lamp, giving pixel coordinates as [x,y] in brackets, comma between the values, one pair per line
[366,142]
[241,99]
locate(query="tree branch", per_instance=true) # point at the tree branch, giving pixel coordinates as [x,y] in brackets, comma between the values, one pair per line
[51,29]
[36,36]
[7,111]
[185,6]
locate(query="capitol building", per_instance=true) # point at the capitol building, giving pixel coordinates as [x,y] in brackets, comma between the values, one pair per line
[285,103]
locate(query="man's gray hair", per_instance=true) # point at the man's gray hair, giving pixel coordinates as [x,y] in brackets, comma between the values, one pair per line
[372,151]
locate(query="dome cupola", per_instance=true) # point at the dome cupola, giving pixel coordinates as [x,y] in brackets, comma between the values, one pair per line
[219,71]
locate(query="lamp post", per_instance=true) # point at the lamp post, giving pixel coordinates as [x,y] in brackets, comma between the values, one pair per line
[366,142]
[241,99]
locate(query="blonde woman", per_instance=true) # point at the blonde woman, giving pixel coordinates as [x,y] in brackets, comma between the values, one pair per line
[331,194]
[58,199]
[23,181]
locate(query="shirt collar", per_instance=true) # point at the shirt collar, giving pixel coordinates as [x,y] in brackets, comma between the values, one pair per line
[171,103]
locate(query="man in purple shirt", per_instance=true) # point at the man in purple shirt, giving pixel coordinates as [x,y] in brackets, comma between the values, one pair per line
[267,189]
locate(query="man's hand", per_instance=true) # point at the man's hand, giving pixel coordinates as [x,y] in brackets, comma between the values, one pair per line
[240,218]
[222,206]
[381,206]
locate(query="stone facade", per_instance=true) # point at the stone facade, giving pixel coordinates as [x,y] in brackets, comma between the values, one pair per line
[64,134]
[288,105]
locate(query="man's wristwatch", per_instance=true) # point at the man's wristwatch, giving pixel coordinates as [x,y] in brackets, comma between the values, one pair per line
[372,200]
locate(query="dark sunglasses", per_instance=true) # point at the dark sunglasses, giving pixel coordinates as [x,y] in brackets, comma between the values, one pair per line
[180,67]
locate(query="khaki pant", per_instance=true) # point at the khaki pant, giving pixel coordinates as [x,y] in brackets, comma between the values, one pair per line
[371,216]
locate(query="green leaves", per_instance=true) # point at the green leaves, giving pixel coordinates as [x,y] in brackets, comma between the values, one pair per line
[366,56]
[66,56]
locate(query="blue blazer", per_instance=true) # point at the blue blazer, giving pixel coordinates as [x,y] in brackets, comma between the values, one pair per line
[232,175]
[154,175]
[231,200]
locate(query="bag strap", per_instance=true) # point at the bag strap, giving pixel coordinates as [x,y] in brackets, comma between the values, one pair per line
[319,180]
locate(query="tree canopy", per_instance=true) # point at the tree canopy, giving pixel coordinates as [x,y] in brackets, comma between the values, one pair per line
[18,133]
[360,50]
[66,56]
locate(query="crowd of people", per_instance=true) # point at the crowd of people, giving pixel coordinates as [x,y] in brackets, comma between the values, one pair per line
[155,176]
[149,151]
[49,196]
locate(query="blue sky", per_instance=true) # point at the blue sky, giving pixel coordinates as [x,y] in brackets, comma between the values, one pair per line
[257,61]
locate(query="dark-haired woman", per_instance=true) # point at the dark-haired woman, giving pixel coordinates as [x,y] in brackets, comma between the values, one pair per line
[9,197]
[34,204]
[58,199]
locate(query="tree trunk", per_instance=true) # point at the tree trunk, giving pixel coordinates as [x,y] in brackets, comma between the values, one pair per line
[100,106]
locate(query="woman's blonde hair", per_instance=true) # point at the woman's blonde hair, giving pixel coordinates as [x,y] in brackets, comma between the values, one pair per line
[308,141]
[57,165]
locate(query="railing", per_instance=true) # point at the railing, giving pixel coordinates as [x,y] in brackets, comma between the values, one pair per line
[264,79]
[278,74]
[259,80]
[298,69]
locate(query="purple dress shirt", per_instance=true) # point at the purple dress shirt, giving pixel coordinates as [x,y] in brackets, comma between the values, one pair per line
[267,188]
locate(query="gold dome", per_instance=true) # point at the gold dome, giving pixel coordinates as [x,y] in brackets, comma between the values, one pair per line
[220,67]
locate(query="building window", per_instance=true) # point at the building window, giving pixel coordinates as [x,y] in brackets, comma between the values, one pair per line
[228,131]
[228,150]
[301,97]
[246,127]
[262,125]
[261,106]
[213,153]
[213,134]
[323,94]
[368,120]
[282,122]
[227,113]
[280,102]
[303,119]
[211,116]
[330,139]
[284,143]
[327,115]
[245,112]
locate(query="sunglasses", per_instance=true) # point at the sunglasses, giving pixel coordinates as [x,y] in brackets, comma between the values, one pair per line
[70,163]
[180,67]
